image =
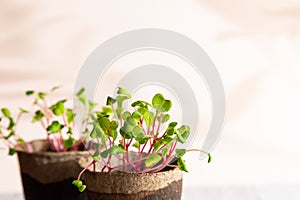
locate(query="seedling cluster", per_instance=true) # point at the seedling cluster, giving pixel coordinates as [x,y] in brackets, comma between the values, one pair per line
[57,120]
[139,139]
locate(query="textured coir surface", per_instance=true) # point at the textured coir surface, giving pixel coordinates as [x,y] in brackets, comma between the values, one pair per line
[50,167]
[166,184]
[49,175]
[170,192]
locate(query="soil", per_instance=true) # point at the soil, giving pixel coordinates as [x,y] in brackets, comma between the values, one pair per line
[49,175]
[63,190]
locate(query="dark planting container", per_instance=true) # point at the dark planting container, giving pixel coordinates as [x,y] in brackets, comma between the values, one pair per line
[49,175]
[116,185]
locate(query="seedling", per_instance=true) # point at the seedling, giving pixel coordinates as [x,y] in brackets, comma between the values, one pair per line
[57,120]
[139,139]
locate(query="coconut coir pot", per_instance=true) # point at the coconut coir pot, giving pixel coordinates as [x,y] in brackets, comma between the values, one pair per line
[48,175]
[117,185]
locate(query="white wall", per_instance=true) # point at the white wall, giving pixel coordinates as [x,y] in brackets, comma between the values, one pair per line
[255,46]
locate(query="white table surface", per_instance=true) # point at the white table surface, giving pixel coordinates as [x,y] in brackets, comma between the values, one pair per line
[243,193]
[224,193]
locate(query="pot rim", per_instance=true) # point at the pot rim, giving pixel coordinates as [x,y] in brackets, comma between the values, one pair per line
[40,152]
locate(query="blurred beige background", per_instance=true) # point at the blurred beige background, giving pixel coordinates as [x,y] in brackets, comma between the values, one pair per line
[255,45]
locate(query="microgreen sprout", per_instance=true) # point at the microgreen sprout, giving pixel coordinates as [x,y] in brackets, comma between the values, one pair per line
[57,120]
[139,139]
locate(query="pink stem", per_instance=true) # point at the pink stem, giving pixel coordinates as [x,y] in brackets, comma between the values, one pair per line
[80,174]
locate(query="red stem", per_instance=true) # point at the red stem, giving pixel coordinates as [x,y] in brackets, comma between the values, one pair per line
[80,174]
[144,146]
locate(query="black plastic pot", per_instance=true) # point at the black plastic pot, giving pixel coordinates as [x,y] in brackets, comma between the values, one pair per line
[49,175]
[118,185]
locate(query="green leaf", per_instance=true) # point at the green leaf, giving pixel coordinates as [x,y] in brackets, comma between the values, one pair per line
[12,133]
[96,158]
[21,142]
[138,103]
[23,110]
[114,134]
[81,94]
[142,110]
[69,142]
[209,158]
[138,131]
[184,132]
[125,134]
[139,134]
[165,118]
[161,104]
[119,111]
[152,160]
[104,123]
[136,116]
[183,129]
[120,142]
[29,92]
[59,108]
[165,152]
[179,137]
[136,144]
[113,125]
[55,88]
[185,135]
[99,133]
[149,118]
[11,124]
[100,114]
[158,101]
[116,150]
[167,105]
[70,115]
[142,140]
[127,129]
[104,153]
[37,116]
[170,131]
[172,125]
[92,105]
[97,146]
[167,139]
[125,115]
[70,130]
[55,127]
[123,92]
[110,101]
[180,152]
[120,99]
[82,188]
[79,185]
[5,112]
[157,145]
[181,164]
[11,151]
[41,95]
[130,121]
[94,133]
[107,110]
